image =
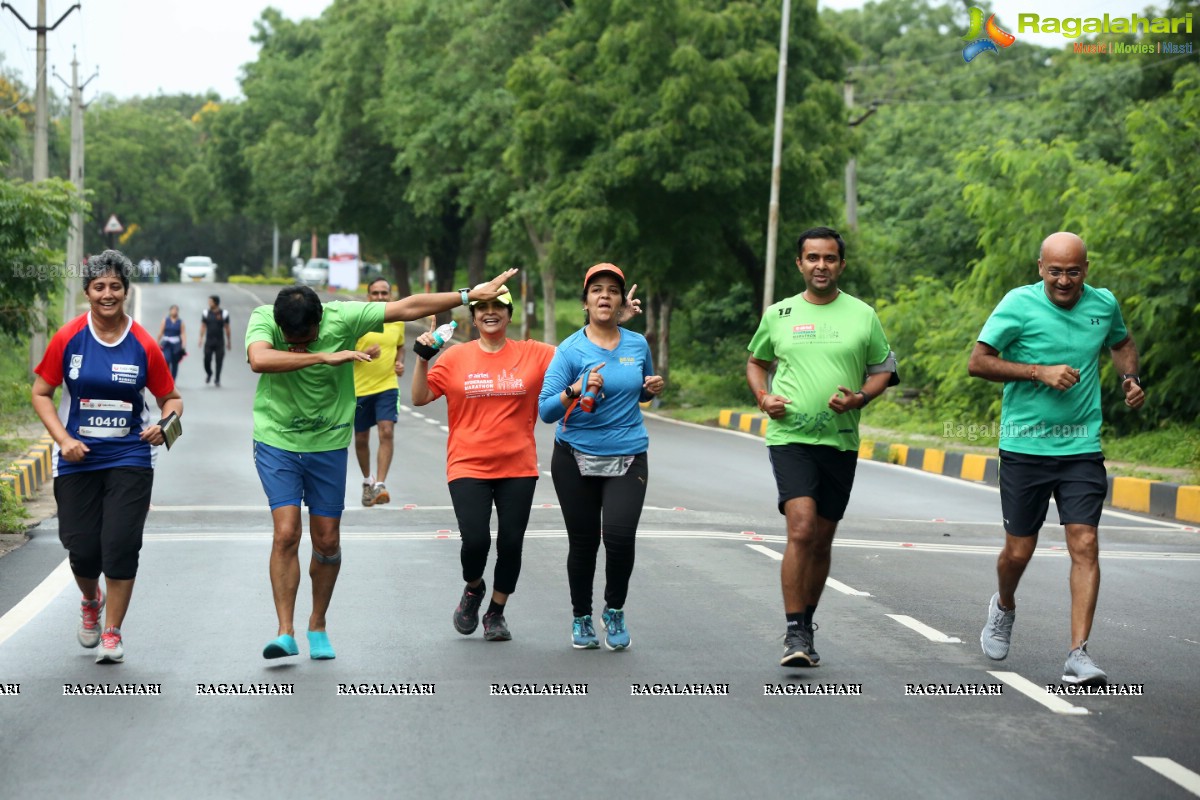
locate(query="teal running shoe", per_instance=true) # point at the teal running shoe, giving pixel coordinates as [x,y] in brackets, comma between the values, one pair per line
[281,646]
[616,636]
[583,635]
[319,648]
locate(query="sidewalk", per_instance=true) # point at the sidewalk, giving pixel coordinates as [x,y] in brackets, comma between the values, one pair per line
[1156,498]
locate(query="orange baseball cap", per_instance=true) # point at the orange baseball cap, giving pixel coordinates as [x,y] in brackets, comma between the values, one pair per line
[600,269]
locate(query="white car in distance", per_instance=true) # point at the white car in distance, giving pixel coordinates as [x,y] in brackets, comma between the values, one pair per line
[197,269]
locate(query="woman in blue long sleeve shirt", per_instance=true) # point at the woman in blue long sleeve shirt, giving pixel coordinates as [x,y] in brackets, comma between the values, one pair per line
[599,464]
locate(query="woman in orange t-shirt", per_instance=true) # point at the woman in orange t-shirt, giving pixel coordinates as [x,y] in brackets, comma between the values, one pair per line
[491,387]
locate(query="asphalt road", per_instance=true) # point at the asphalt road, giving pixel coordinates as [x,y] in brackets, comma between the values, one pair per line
[704,608]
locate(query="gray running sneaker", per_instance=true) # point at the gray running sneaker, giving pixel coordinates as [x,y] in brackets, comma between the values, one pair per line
[495,629]
[1081,670]
[368,495]
[800,651]
[466,616]
[997,633]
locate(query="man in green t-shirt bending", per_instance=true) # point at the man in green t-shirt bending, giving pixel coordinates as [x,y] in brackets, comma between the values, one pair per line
[832,360]
[303,420]
[1043,342]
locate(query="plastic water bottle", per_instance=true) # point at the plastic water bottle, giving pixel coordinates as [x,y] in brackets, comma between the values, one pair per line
[587,401]
[444,334]
[440,336]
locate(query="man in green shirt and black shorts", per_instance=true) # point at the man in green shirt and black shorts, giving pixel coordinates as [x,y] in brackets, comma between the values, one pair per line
[303,422]
[1043,342]
[833,359]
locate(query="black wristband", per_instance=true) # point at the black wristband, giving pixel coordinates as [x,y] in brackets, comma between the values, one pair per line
[1135,378]
[866,397]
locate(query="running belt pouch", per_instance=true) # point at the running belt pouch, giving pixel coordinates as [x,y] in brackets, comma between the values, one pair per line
[601,466]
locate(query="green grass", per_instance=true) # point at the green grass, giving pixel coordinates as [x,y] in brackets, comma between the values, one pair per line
[16,414]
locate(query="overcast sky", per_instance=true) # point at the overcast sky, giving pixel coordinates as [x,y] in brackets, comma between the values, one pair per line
[143,47]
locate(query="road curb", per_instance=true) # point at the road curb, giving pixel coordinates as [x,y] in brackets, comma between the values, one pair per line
[25,475]
[1156,498]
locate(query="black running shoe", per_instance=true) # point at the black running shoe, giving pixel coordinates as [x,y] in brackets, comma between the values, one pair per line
[495,629]
[466,616]
[800,651]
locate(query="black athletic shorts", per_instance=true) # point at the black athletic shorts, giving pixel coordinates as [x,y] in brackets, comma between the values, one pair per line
[819,471]
[101,514]
[1078,484]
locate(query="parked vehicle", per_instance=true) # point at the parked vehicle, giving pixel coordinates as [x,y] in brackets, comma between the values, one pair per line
[197,269]
[314,273]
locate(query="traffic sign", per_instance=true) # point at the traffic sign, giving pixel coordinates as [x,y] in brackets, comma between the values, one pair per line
[114,225]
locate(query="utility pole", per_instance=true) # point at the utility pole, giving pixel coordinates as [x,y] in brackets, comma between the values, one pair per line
[851,167]
[41,120]
[75,234]
[41,149]
[852,164]
[776,159]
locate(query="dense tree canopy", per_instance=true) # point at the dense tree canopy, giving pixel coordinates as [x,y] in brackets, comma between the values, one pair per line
[492,133]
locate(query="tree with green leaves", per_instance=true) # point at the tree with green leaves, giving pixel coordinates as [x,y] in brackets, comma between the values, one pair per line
[644,131]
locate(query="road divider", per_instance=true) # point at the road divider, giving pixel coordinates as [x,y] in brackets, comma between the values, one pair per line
[1157,498]
[25,475]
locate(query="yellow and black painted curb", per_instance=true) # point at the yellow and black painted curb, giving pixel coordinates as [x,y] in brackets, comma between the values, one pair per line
[1156,498]
[25,475]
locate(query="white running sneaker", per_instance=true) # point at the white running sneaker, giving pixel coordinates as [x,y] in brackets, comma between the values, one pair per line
[112,650]
[89,620]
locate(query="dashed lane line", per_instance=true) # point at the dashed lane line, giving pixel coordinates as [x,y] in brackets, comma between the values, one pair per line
[1038,693]
[1172,771]
[830,582]
[929,633]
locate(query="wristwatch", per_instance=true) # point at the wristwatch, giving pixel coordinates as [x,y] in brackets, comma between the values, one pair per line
[465,295]
[1132,377]
[570,392]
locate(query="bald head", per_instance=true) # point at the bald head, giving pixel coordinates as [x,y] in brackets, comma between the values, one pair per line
[1063,266]
[1064,245]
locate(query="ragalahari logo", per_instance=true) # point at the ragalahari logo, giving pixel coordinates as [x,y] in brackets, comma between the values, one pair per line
[983,37]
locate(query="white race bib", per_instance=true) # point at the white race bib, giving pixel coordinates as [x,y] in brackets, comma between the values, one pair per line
[104,419]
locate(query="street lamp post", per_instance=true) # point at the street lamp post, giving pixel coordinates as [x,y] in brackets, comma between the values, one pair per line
[776,159]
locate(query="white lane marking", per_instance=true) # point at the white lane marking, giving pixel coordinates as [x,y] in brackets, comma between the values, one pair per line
[32,604]
[1172,771]
[766,551]
[697,534]
[844,589]
[432,421]
[403,407]
[418,415]
[730,431]
[932,634]
[445,429]
[996,490]
[830,582]
[547,473]
[1038,693]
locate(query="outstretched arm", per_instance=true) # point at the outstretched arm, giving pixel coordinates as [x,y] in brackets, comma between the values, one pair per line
[416,306]
[264,358]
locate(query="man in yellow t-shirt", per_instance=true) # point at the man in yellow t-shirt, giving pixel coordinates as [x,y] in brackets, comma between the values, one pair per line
[377,393]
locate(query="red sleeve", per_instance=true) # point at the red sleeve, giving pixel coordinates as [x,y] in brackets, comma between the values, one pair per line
[158,374]
[51,367]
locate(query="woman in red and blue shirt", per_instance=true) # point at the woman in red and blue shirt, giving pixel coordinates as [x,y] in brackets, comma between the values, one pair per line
[103,440]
